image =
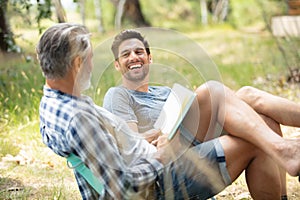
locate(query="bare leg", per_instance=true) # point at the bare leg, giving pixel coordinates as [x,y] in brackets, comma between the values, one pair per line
[190,121]
[282,110]
[262,173]
[276,128]
[218,104]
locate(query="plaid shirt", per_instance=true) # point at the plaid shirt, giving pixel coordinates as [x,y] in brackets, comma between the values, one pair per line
[70,124]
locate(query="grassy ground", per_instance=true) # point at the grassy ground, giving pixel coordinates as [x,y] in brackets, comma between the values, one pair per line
[29,170]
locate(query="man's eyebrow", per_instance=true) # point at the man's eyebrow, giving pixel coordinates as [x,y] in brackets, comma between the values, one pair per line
[132,49]
[125,51]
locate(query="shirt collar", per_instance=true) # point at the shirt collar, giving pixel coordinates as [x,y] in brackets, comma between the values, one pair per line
[52,93]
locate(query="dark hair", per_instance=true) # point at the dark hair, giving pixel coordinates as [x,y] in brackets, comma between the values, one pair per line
[59,46]
[125,35]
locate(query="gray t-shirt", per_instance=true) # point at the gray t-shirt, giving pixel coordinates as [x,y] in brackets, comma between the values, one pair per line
[142,108]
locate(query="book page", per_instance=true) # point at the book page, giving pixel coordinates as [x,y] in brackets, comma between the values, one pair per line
[174,110]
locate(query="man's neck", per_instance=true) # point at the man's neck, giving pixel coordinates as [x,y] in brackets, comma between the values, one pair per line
[63,86]
[137,86]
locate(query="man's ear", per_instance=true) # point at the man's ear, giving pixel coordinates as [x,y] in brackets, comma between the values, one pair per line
[150,58]
[117,65]
[77,63]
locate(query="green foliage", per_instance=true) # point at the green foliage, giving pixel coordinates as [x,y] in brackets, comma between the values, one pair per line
[250,12]
[244,13]
[21,10]
[11,45]
[176,14]
[44,12]
[108,13]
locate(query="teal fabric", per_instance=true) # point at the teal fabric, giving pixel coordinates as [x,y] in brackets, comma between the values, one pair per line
[80,167]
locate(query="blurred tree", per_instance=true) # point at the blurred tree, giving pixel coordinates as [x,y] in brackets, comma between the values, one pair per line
[203,7]
[44,11]
[5,33]
[98,13]
[60,12]
[82,10]
[219,9]
[119,14]
[130,9]
[7,42]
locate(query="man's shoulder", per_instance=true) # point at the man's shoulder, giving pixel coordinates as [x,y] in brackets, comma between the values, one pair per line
[65,106]
[117,89]
[116,96]
[115,92]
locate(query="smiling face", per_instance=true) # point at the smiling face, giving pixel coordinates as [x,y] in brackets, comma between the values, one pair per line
[133,61]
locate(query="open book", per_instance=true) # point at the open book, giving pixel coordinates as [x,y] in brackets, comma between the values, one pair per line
[174,110]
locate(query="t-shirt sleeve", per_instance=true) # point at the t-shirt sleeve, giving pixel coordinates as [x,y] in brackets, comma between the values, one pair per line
[119,102]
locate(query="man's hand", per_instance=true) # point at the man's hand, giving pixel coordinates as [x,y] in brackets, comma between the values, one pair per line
[151,135]
[167,149]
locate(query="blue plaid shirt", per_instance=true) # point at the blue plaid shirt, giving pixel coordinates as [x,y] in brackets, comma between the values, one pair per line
[70,124]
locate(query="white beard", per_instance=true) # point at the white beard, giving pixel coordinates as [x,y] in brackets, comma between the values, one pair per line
[84,82]
[85,85]
[83,79]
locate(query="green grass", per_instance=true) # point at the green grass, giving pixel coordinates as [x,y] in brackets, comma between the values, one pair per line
[20,84]
[36,172]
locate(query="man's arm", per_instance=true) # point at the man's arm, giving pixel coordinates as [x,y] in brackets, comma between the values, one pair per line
[117,101]
[150,135]
[97,149]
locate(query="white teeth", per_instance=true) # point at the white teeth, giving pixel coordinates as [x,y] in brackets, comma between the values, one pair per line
[135,66]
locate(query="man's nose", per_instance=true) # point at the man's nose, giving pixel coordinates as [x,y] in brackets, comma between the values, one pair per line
[133,55]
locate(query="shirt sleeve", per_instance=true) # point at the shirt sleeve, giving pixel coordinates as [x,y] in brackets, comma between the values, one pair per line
[97,148]
[119,102]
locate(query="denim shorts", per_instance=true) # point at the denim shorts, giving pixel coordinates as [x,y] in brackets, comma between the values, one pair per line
[200,173]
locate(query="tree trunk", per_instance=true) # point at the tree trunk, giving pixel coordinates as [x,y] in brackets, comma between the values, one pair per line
[203,7]
[119,14]
[225,8]
[220,10]
[133,12]
[5,33]
[82,10]
[98,13]
[60,12]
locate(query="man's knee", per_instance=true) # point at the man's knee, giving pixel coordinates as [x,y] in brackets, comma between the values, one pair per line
[250,95]
[211,89]
[245,91]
